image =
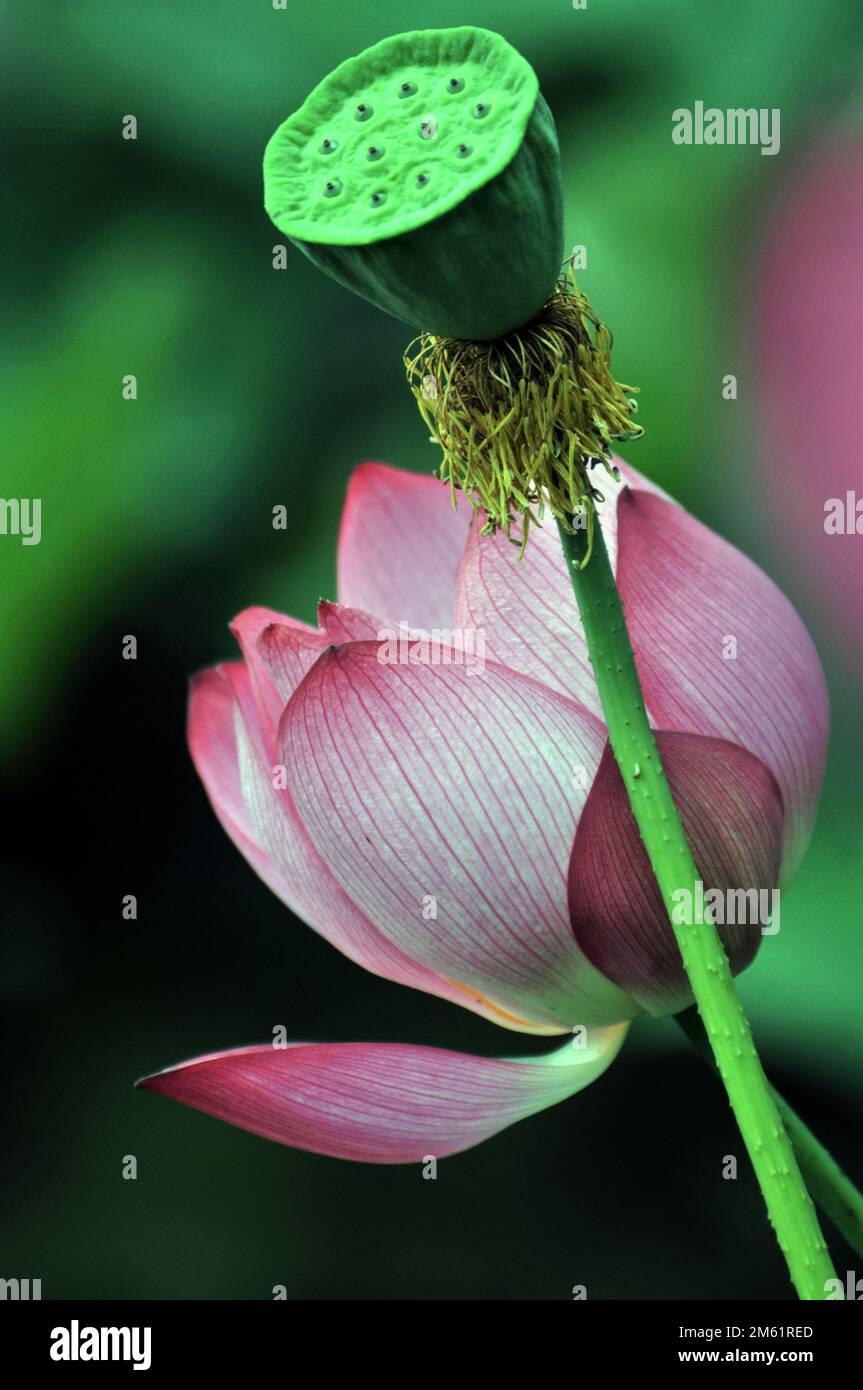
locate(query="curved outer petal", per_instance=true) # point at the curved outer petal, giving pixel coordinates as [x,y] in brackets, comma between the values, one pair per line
[231,758]
[213,745]
[731,810]
[400,545]
[286,654]
[525,608]
[342,624]
[444,799]
[686,591]
[381,1102]
[268,701]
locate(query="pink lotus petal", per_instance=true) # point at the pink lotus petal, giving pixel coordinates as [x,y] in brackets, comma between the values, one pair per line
[247,628]
[213,745]
[526,609]
[731,810]
[687,591]
[400,545]
[287,653]
[343,624]
[444,799]
[278,847]
[228,750]
[381,1102]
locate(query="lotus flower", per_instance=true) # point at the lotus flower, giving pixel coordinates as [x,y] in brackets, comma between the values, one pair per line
[460,826]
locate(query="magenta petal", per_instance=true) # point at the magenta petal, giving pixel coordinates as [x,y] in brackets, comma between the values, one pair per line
[228,752]
[213,745]
[288,862]
[247,627]
[400,545]
[343,624]
[525,608]
[287,653]
[380,1102]
[444,799]
[230,756]
[688,594]
[731,810]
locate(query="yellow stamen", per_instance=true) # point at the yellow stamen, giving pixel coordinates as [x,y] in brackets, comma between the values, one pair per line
[521,420]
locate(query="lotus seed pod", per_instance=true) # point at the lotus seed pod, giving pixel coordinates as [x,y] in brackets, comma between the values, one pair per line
[424,174]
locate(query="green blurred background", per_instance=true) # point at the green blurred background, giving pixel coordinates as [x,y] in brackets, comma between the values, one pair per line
[154,257]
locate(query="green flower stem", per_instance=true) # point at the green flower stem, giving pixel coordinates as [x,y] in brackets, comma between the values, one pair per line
[789,1205]
[834,1192]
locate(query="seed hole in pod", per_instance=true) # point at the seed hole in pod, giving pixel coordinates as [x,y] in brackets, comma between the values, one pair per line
[362,112]
[333,188]
[328,146]
[481,110]
[428,127]
[374,152]
[463,151]
[455,84]
[377,199]
[407,89]
[422,180]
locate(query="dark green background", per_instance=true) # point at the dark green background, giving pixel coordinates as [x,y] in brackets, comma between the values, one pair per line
[259,387]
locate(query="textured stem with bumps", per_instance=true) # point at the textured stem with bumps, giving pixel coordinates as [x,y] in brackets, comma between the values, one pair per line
[789,1205]
[832,1189]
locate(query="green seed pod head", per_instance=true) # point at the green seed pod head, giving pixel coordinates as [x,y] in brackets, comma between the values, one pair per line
[424,174]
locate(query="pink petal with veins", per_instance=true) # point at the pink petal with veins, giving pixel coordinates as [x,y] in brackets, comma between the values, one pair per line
[247,628]
[686,592]
[400,545]
[380,1102]
[232,761]
[444,799]
[525,608]
[343,624]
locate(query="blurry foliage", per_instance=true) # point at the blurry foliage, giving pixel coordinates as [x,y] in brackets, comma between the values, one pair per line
[256,388]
